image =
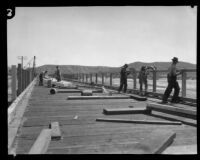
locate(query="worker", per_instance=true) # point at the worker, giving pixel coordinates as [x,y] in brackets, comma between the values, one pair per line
[41,75]
[123,78]
[172,83]
[144,71]
[58,74]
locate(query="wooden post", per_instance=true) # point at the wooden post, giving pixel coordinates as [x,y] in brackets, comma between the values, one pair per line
[184,76]
[134,79]
[154,81]
[110,79]
[86,78]
[23,79]
[96,78]
[90,78]
[19,78]
[14,81]
[30,76]
[102,79]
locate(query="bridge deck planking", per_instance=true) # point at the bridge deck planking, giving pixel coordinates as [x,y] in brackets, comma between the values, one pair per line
[85,130]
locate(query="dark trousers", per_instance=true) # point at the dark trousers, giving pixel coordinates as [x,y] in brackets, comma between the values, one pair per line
[145,84]
[172,83]
[58,79]
[41,81]
[123,83]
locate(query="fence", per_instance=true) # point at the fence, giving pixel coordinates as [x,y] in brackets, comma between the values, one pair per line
[20,79]
[112,80]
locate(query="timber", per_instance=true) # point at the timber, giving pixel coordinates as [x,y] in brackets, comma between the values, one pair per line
[126,110]
[182,149]
[96,97]
[139,121]
[42,142]
[172,110]
[155,143]
[55,131]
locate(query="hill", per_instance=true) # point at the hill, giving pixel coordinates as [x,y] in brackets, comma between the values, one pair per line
[70,69]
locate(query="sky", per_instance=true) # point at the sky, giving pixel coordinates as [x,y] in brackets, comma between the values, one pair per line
[102,35]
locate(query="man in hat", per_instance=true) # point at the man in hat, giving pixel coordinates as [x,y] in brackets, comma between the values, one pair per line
[172,82]
[144,71]
[58,74]
[123,78]
[41,75]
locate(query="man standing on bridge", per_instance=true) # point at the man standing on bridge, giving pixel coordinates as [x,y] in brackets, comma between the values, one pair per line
[58,74]
[123,78]
[172,83]
[144,71]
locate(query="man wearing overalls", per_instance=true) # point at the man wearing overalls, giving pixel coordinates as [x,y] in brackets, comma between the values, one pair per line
[172,83]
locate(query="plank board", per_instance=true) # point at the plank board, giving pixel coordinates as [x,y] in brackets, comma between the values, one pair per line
[172,110]
[139,121]
[96,97]
[181,149]
[55,131]
[126,110]
[41,144]
[155,143]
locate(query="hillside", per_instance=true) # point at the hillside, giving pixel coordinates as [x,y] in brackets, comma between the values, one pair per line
[69,69]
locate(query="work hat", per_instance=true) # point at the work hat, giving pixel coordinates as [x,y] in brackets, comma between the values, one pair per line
[56,66]
[175,59]
[126,65]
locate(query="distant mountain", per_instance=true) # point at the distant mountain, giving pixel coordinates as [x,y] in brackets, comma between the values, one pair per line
[69,69]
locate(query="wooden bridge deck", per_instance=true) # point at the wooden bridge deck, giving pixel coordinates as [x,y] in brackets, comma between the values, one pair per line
[84,134]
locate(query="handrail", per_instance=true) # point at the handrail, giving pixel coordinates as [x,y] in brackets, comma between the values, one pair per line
[99,78]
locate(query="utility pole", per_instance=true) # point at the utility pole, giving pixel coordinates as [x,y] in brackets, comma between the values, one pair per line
[22,59]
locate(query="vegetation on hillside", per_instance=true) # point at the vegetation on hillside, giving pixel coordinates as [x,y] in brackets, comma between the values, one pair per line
[74,69]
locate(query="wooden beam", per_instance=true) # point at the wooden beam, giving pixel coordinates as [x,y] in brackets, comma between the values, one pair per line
[172,110]
[86,92]
[126,110]
[14,82]
[155,143]
[19,79]
[137,97]
[96,97]
[139,121]
[183,149]
[42,142]
[55,131]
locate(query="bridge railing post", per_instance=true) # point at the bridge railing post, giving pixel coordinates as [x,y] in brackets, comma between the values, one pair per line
[134,79]
[102,79]
[14,82]
[90,77]
[154,80]
[19,79]
[184,77]
[110,79]
[96,80]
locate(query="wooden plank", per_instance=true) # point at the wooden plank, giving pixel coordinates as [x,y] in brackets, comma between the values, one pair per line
[155,143]
[42,142]
[137,97]
[181,149]
[14,82]
[139,121]
[86,92]
[126,110]
[172,109]
[96,97]
[55,131]
[187,121]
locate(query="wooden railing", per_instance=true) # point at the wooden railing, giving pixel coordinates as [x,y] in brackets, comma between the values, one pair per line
[100,79]
[20,79]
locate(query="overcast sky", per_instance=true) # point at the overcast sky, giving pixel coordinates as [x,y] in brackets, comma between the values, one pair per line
[102,36]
